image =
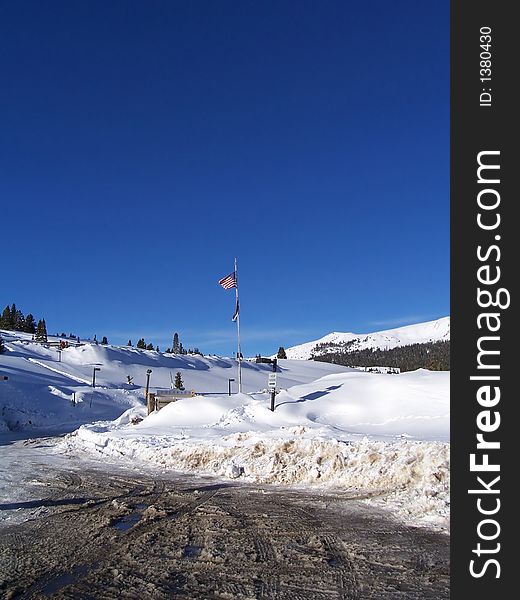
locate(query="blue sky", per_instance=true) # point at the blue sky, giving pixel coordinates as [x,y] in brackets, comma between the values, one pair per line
[144,145]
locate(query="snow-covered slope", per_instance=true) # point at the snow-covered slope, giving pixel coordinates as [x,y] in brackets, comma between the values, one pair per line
[40,390]
[421,333]
[368,434]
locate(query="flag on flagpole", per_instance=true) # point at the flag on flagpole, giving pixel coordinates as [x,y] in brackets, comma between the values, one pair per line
[229,281]
[237,310]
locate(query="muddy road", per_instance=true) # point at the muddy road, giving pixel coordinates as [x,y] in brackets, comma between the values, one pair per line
[100,534]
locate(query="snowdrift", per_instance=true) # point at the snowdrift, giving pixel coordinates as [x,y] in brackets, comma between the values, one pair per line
[43,383]
[372,435]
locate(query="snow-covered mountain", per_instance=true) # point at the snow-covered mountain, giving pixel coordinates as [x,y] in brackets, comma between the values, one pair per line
[420,333]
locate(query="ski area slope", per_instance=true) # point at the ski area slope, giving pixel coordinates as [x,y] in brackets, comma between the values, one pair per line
[421,333]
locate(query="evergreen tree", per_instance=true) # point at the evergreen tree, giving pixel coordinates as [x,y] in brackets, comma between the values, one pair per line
[129,343]
[178,383]
[19,321]
[180,350]
[176,347]
[281,353]
[434,356]
[141,344]
[5,319]
[30,324]
[157,349]
[41,332]
[44,330]
[150,346]
[104,341]
[2,347]
[14,315]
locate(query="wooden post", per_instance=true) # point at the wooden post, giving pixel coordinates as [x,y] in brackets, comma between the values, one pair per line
[150,402]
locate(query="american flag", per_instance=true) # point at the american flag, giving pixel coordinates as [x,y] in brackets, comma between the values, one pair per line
[229,281]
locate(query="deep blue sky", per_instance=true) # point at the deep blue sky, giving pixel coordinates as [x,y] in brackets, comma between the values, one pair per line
[143,145]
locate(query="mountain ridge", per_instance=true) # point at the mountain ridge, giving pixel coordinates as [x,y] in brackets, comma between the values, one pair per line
[418,333]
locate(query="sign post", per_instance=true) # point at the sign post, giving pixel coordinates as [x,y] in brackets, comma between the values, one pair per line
[271,384]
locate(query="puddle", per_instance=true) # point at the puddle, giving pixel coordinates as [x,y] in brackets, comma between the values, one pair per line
[60,581]
[127,522]
[334,562]
[192,551]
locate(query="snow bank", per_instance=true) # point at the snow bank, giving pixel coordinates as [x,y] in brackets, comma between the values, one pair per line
[383,437]
[410,478]
[316,437]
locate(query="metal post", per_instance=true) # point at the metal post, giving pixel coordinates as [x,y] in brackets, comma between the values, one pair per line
[148,373]
[229,386]
[94,376]
[273,393]
[239,352]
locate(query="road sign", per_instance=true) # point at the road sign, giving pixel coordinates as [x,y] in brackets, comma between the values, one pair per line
[271,382]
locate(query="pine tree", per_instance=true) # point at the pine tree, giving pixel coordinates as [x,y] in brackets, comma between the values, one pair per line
[180,350]
[178,383]
[5,319]
[41,332]
[19,321]
[30,325]
[175,348]
[281,353]
[129,343]
[14,315]
[2,347]
[44,330]
[157,349]
[104,341]
[141,344]
[149,346]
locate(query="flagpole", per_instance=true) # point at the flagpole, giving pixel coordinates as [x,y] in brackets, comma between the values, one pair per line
[239,353]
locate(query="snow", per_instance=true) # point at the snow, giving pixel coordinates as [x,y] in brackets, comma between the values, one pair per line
[430,331]
[40,390]
[379,436]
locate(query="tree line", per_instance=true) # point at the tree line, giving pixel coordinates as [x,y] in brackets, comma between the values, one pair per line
[177,347]
[434,356]
[13,319]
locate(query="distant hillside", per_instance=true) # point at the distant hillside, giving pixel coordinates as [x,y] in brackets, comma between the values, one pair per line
[338,343]
[434,356]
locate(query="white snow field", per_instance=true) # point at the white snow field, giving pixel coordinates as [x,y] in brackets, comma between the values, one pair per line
[384,437]
[420,333]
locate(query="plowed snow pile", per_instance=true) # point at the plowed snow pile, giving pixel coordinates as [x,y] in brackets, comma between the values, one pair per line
[373,435]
